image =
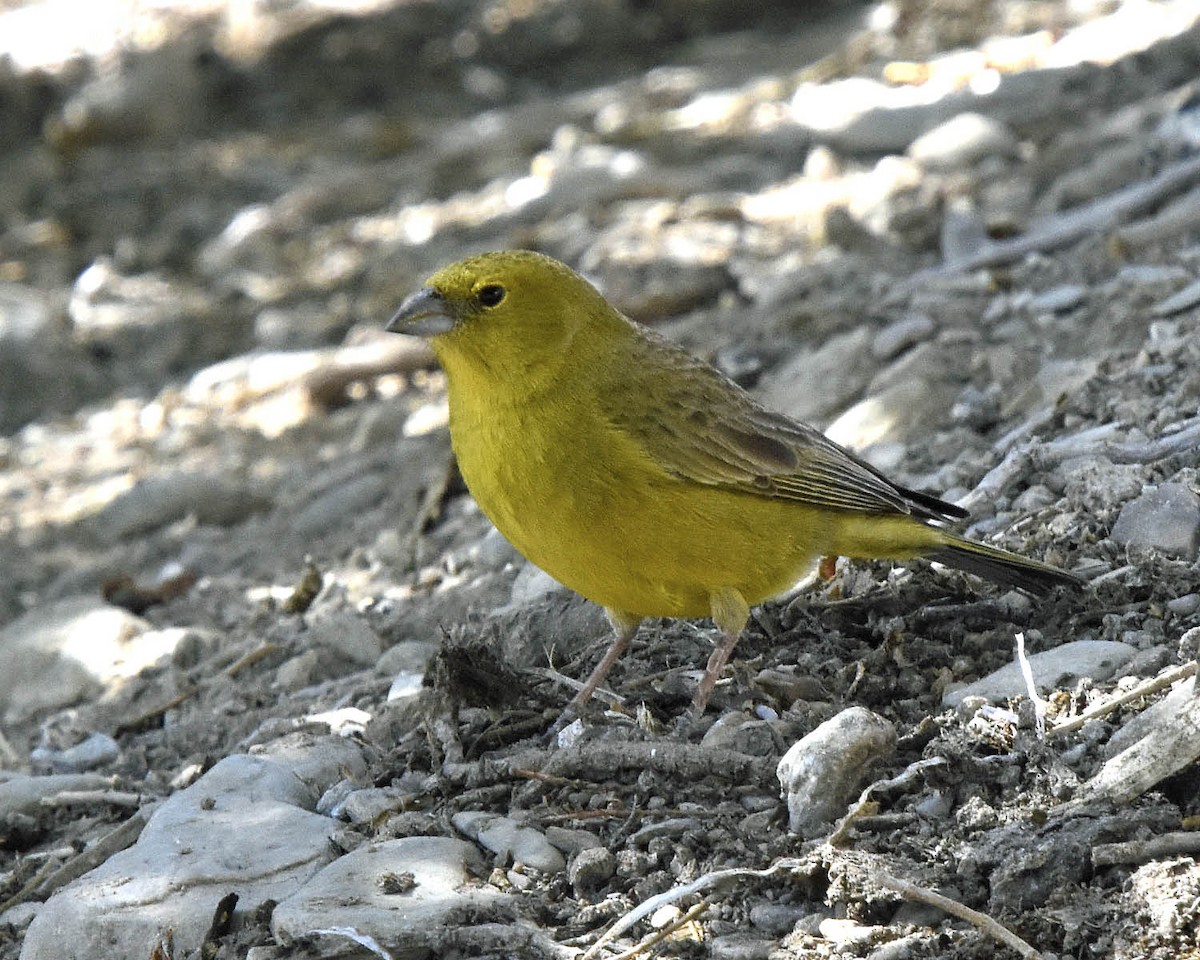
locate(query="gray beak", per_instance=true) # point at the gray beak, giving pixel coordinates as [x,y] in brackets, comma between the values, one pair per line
[423,314]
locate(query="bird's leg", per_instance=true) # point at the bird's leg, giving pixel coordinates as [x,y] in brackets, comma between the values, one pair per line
[624,626]
[730,612]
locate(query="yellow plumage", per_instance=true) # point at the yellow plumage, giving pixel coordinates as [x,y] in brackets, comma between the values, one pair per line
[641,478]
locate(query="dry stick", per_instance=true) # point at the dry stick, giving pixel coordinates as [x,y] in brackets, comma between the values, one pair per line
[51,876]
[143,720]
[600,693]
[9,760]
[1062,229]
[1090,443]
[907,890]
[704,882]
[856,812]
[114,798]
[429,509]
[1153,685]
[1177,844]
[659,935]
[32,884]
[112,842]
[647,907]
[1171,743]
[1115,574]
[981,921]
[260,652]
[1182,216]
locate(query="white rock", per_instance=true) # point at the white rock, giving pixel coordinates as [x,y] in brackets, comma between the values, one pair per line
[244,828]
[352,893]
[64,652]
[963,140]
[822,772]
[97,750]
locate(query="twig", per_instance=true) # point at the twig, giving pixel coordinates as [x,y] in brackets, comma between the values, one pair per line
[659,935]
[260,652]
[1062,229]
[364,940]
[981,921]
[114,798]
[328,383]
[1151,686]
[1114,574]
[53,875]
[858,810]
[1181,217]
[1164,741]
[433,497]
[1035,455]
[32,884]
[9,760]
[1177,844]
[143,720]
[704,882]
[112,842]
[600,693]
[601,760]
[1183,440]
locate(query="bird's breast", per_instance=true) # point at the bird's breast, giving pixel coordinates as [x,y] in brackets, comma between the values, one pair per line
[586,502]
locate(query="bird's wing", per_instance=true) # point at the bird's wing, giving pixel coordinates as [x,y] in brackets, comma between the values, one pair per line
[704,428]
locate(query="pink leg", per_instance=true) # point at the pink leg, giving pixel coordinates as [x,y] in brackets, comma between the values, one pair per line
[625,626]
[730,612]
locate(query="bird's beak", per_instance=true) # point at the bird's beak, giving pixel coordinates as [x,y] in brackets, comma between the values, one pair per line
[424,314]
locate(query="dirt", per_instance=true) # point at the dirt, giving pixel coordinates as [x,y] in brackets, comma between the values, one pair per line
[355,153]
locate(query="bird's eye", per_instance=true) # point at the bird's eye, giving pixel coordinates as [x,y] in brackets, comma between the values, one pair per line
[491,295]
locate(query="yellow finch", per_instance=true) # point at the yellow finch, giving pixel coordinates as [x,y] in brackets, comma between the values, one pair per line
[640,477]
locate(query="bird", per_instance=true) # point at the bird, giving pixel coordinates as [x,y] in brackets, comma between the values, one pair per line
[643,479]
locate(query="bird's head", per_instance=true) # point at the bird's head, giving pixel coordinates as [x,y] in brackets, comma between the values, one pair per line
[509,314]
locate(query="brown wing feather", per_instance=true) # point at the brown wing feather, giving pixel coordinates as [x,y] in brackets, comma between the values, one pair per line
[708,430]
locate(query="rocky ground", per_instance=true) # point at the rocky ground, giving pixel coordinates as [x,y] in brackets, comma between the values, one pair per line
[273,687]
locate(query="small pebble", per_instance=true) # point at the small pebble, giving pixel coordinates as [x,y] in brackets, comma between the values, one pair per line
[332,799]
[572,841]
[934,806]
[900,335]
[740,947]
[1058,299]
[509,840]
[349,635]
[368,805]
[1184,606]
[963,140]
[914,945]
[97,750]
[1185,299]
[664,916]
[775,919]
[846,932]
[591,868]
[1166,518]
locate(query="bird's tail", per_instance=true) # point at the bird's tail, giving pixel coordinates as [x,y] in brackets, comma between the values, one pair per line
[1000,566]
